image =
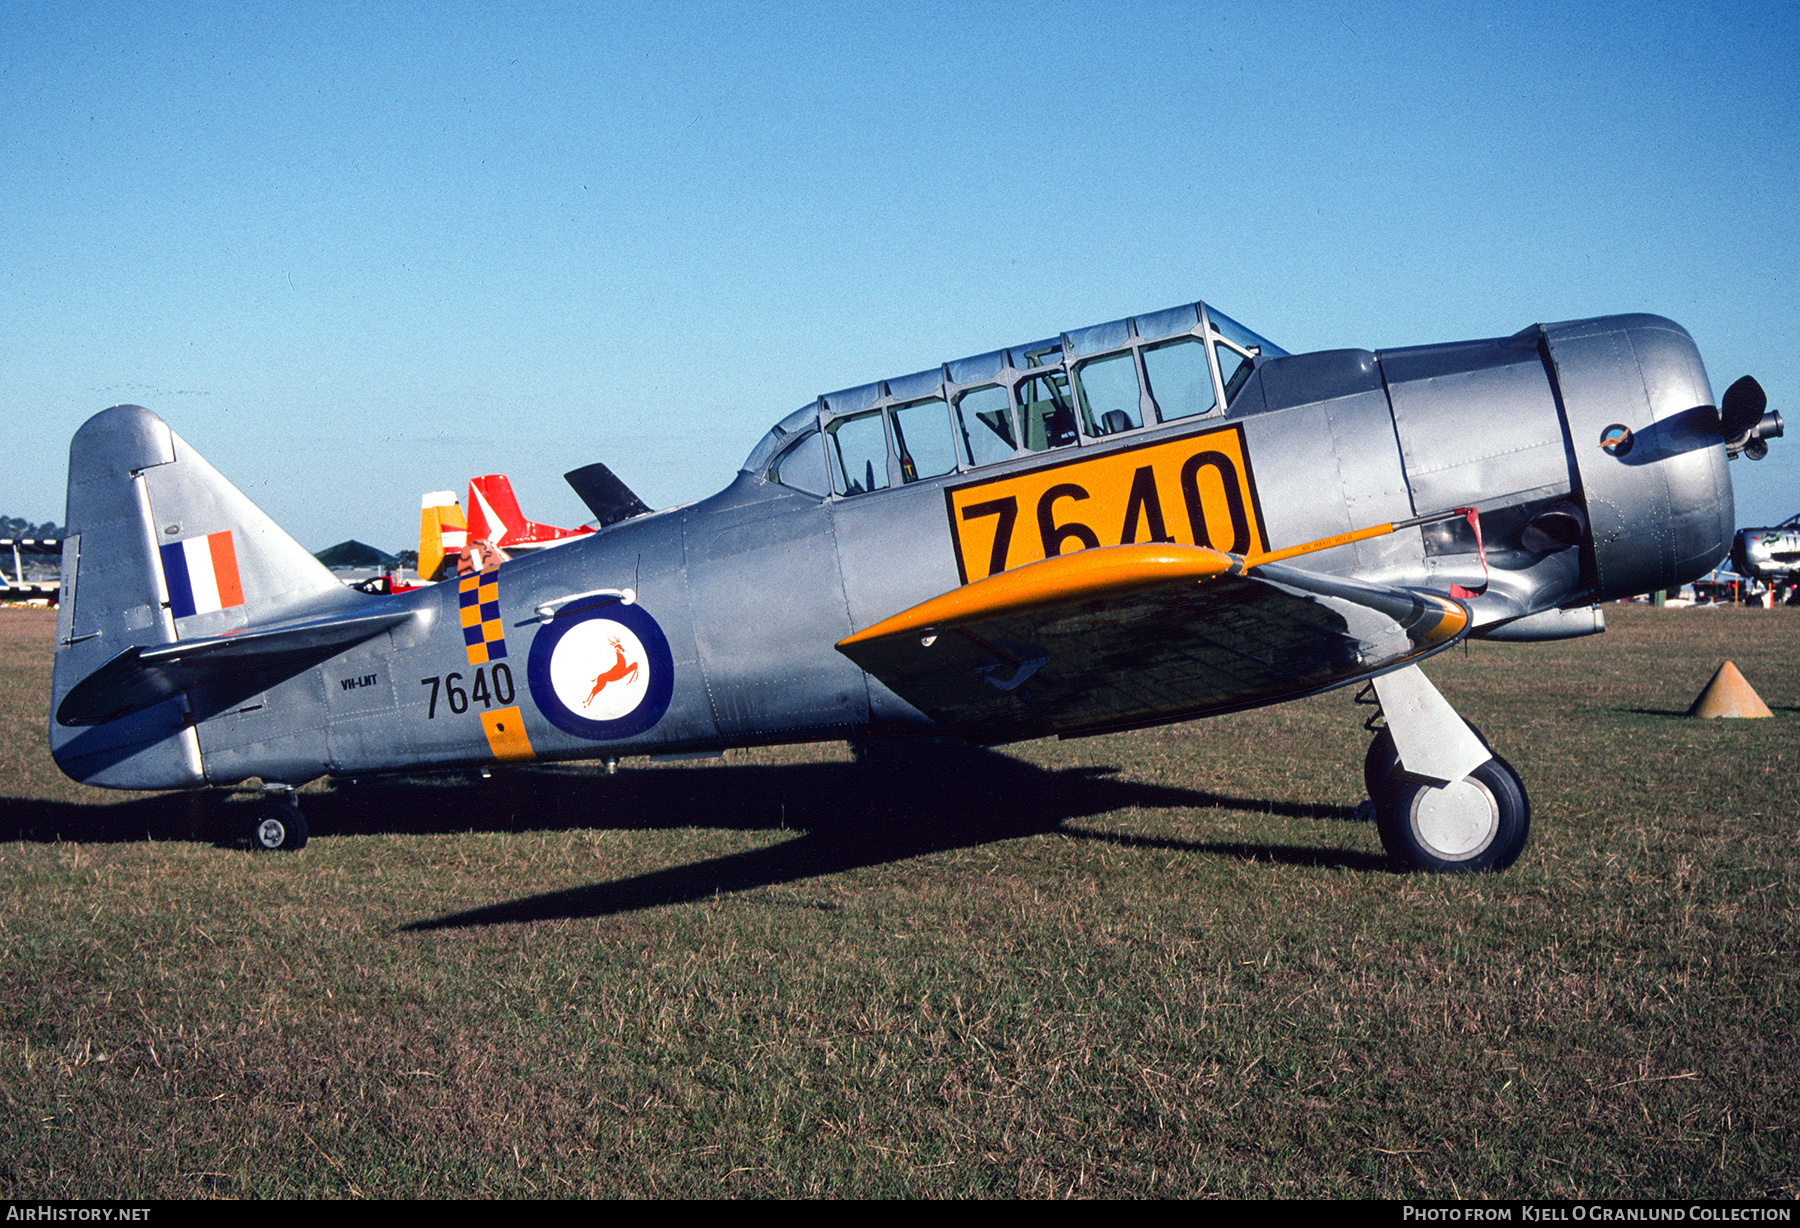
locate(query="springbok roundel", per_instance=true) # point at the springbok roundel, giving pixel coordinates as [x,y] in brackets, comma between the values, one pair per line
[602,672]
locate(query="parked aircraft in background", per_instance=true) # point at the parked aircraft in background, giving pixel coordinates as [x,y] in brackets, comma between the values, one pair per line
[1771,556]
[18,584]
[494,530]
[442,535]
[1157,518]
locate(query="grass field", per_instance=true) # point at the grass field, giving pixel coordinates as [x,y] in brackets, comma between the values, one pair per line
[1159,963]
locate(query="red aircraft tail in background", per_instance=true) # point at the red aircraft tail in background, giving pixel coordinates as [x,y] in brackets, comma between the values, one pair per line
[494,530]
[494,517]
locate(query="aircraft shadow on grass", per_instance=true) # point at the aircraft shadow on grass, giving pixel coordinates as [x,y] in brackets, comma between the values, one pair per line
[844,815]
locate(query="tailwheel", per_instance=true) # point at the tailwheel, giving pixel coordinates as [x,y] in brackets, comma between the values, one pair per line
[1477,823]
[277,825]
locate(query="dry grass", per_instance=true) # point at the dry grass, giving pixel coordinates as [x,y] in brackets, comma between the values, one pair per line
[1157,963]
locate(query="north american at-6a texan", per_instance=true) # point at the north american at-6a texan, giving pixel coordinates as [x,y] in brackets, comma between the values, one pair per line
[1145,521]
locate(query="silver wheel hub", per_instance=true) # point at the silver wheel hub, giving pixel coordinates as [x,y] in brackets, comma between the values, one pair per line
[270,833]
[1456,822]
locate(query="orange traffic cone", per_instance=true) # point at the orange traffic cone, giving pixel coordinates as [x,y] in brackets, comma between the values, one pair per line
[1729,695]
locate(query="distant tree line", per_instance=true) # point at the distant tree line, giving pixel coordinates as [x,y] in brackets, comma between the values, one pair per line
[13,526]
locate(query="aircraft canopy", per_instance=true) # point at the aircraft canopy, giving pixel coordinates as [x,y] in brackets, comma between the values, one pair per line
[1079,387]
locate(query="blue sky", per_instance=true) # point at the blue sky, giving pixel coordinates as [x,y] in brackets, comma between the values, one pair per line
[355,252]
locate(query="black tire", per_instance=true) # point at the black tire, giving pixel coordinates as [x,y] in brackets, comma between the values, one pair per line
[1480,823]
[277,825]
[1383,757]
[1379,763]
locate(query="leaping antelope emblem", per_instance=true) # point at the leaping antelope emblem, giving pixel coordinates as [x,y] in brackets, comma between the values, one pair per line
[620,671]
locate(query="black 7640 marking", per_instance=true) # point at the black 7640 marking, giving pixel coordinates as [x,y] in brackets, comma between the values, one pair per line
[451,688]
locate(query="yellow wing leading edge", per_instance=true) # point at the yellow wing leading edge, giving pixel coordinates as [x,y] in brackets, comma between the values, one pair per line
[1126,635]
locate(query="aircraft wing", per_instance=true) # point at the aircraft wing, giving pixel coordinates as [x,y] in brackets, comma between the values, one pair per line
[1125,635]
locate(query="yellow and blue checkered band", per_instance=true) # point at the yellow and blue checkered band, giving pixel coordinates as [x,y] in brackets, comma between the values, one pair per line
[478,597]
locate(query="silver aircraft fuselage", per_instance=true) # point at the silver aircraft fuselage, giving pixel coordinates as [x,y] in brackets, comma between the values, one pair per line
[1590,449]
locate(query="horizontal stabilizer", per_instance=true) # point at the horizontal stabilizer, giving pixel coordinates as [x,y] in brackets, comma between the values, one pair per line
[608,498]
[1125,635]
[141,677]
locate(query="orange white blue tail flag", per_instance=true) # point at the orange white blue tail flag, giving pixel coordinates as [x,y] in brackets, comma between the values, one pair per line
[202,575]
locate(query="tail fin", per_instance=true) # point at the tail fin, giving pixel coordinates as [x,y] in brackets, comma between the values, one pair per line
[160,547]
[495,517]
[494,514]
[608,498]
[442,533]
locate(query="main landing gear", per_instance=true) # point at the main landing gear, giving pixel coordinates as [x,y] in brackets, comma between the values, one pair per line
[1444,801]
[276,822]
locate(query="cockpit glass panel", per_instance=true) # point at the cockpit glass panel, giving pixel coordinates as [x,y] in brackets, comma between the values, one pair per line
[802,466]
[1109,395]
[984,417]
[858,449]
[1232,331]
[779,434]
[799,420]
[979,367]
[1168,323]
[918,384]
[1037,354]
[851,399]
[923,439]
[1180,379]
[1046,411]
[1234,369]
[1099,338]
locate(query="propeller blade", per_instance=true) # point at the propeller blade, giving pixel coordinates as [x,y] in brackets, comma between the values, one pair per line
[1742,407]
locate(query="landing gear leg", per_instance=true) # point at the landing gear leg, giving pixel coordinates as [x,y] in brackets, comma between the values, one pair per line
[1443,801]
[276,822]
